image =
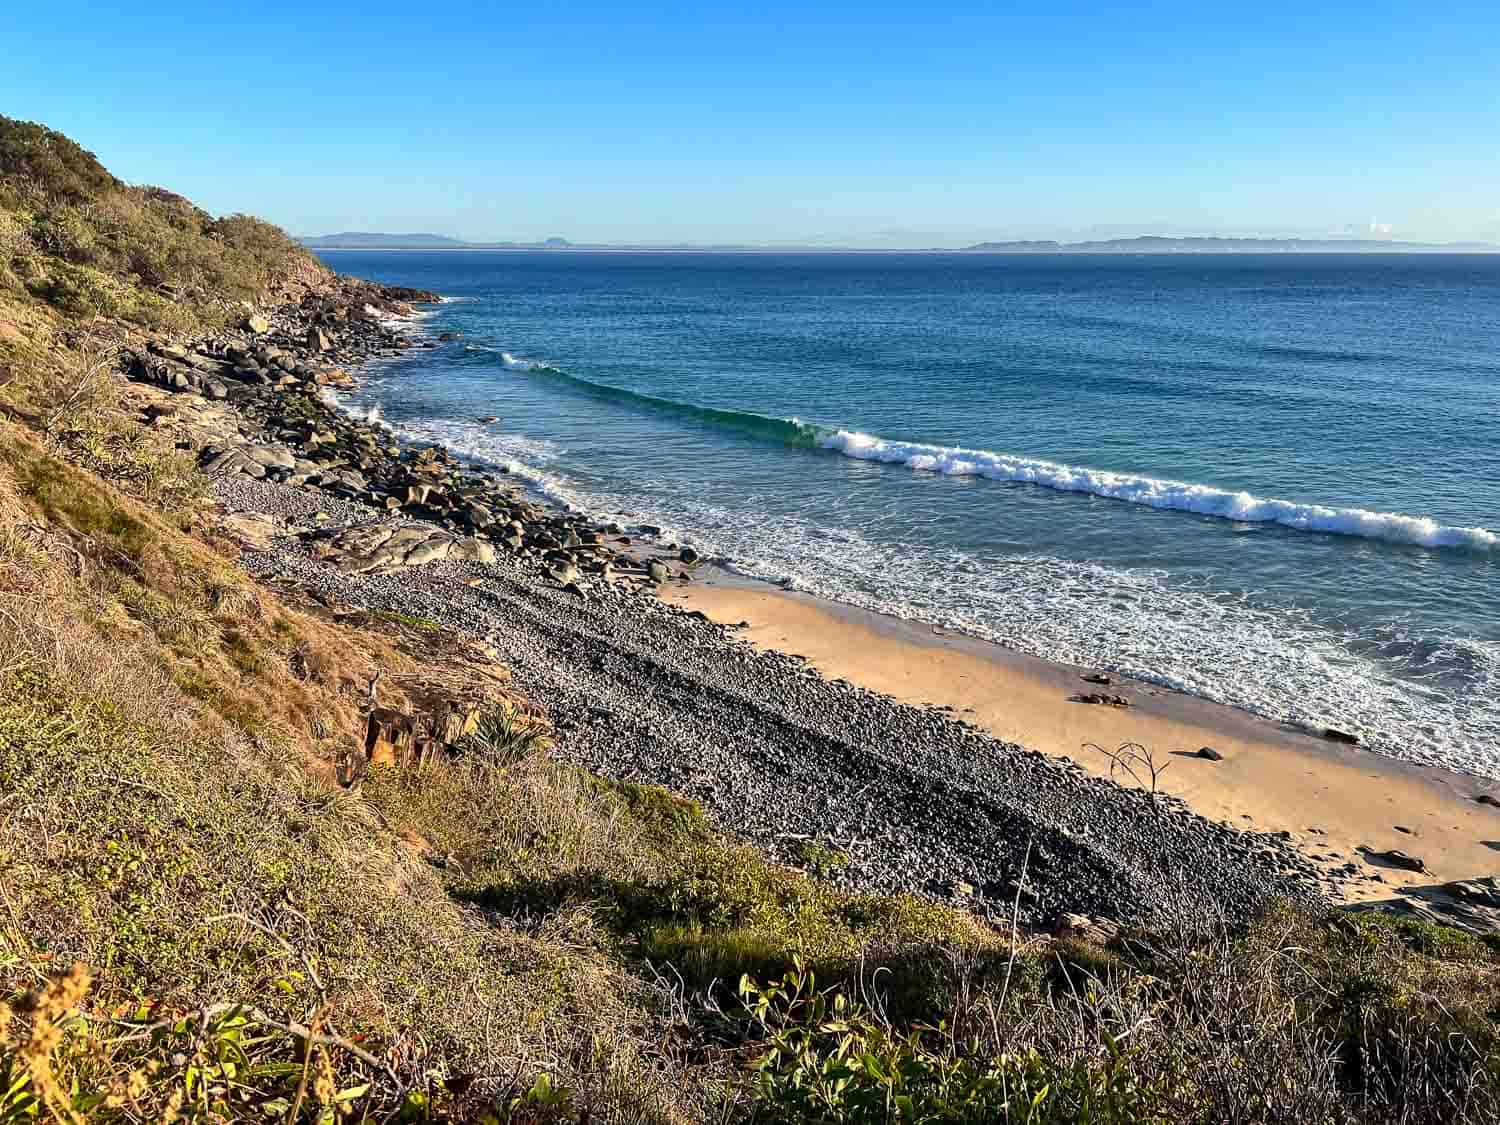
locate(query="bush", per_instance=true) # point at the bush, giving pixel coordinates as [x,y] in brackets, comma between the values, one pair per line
[90,245]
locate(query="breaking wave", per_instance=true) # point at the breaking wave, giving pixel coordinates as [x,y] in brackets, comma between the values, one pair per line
[1167,494]
[1130,488]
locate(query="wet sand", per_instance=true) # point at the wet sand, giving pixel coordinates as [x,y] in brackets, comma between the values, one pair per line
[1333,799]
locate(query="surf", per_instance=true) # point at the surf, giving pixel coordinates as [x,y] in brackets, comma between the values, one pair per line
[1168,495]
[1236,506]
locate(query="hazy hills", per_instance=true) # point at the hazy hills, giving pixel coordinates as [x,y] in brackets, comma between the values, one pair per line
[1143,244]
[366,240]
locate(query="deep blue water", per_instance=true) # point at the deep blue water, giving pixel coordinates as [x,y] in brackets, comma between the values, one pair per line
[1273,481]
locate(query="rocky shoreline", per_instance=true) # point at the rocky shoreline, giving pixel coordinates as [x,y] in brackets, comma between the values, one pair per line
[864,791]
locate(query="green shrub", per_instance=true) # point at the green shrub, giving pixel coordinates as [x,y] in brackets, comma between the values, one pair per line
[827,1059]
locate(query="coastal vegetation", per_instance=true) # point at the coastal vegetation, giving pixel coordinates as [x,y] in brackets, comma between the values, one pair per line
[201,920]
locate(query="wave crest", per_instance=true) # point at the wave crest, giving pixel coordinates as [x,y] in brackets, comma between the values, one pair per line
[1165,494]
[1130,488]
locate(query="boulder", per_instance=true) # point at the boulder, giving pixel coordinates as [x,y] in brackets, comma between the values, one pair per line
[257,324]
[1480,892]
[1095,930]
[473,550]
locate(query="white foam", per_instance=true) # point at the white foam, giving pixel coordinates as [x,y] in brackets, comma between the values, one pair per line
[520,363]
[1169,494]
[1268,658]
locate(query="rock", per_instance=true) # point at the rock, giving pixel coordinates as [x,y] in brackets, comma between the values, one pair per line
[1403,829]
[1488,799]
[390,737]
[1208,753]
[1103,699]
[434,549]
[1481,892]
[688,555]
[473,550]
[252,529]
[318,340]
[1341,736]
[487,419]
[1096,678]
[1397,858]
[658,571]
[961,889]
[1096,930]
[271,456]
[563,573]
[257,324]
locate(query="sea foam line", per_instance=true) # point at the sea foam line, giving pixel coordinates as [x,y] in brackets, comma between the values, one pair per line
[1167,494]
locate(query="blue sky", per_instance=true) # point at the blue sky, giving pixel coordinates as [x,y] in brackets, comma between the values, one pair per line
[873,123]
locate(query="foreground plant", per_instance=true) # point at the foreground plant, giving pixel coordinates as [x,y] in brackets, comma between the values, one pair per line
[828,1058]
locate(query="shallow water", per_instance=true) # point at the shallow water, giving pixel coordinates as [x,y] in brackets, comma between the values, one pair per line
[1272,481]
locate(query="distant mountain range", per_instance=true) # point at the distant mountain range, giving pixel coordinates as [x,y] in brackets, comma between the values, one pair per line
[1157,244]
[1145,244]
[367,240]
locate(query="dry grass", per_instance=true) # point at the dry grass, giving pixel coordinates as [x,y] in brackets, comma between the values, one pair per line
[141,826]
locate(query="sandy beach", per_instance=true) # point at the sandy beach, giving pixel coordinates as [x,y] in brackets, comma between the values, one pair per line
[1333,800]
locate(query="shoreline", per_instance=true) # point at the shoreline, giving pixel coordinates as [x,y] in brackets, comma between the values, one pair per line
[1333,800]
[949,809]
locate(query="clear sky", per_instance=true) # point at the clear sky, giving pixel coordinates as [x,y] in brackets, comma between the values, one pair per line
[876,122]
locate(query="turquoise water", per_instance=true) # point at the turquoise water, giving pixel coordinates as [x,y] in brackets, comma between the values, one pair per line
[1272,481]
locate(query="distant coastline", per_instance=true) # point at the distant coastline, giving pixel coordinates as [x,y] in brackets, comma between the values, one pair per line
[1143,244]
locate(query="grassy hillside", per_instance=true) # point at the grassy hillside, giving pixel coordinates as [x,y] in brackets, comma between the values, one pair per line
[78,240]
[198,922]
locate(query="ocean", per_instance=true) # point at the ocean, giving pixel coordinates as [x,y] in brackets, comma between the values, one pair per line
[1272,481]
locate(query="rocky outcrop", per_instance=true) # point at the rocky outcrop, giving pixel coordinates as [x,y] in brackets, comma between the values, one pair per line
[383,547]
[252,402]
[398,738]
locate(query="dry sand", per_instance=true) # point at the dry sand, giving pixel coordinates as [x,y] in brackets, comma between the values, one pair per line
[1332,799]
